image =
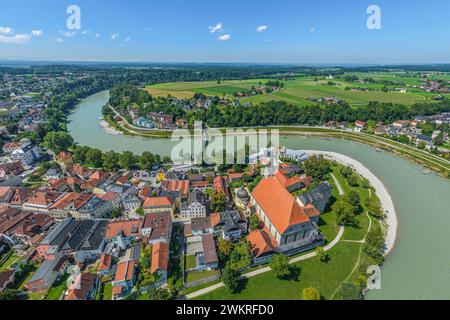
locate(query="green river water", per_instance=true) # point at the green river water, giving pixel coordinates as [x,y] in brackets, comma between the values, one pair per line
[419,265]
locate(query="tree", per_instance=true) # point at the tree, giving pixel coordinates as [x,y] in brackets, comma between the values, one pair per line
[115,214]
[322,254]
[9,294]
[255,223]
[94,158]
[354,199]
[345,213]
[317,167]
[218,201]
[350,291]
[231,279]
[225,248]
[279,264]
[110,160]
[241,257]
[352,181]
[311,294]
[146,161]
[58,141]
[127,160]
[140,211]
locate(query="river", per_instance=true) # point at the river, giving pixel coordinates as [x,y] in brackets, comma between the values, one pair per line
[419,265]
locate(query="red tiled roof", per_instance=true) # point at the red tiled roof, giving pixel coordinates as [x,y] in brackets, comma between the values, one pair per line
[98,175]
[261,242]
[278,204]
[285,181]
[130,228]
[125,271]
[43,198]
[155,202]
[160,257]
[311,211]
[215,219]
[209,248]
[199,184]
[177,185]
[105,262]
[109,196]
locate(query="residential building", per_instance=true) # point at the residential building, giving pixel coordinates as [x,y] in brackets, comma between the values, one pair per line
[157,227]
[197,205]
[159,204]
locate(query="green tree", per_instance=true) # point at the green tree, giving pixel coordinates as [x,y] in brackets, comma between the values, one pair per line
[255,223]
[225,248]
[279,264]
[110,160]
[317,167]
[146,161]
[218,202]
[94,158]
[58,141]
[127,160]
[140,211]
[231,279]
[311,294]
[354,199]
[352,181]
[345,213]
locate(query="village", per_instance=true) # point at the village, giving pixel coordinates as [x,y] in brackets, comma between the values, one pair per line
[120,234]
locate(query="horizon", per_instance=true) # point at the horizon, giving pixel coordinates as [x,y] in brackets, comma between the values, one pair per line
[290,32]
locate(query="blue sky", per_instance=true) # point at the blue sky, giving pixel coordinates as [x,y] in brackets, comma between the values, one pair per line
[292,31]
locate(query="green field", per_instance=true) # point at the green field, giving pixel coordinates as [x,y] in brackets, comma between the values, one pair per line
[301,89]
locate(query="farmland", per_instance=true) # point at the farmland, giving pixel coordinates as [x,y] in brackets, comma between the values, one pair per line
[300,90]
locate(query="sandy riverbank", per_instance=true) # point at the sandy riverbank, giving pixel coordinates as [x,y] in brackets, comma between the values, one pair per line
[380,190]
[108,129]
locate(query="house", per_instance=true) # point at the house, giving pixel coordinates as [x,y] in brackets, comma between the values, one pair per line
[105,264]
[83,288]
[23,224]
[292,183]
[6,194]
[159,204]
[129,229]
[53,174]
[401,124]
[202,249]
[69,204]
[380,130]
[160,261]
[6,279]
[220,186]
[157,227]
[359,126]
[94,208]
[230,224]
[199,226]
[318,198]
[295,155]
[42,201]
[124,279]
[64,158]
[284,219]
[46,275]
[263,246]
[197,205]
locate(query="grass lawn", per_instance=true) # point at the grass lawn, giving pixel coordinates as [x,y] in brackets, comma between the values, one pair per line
[198,275]
[57,289]
[190,262]
[37,295]
[9,263]
[107,291]
[297,91]
[311,273]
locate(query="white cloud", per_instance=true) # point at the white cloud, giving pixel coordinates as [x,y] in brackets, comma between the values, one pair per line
[312,29]
[225,37]
[6,30]
[115,36]
[97,35]
[147,28]
[15,39]
[37,33]
[262,28]
[59,40]
[127,39]
[7,35]
[217,28]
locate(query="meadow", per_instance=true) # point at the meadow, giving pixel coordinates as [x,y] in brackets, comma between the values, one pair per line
[300,90]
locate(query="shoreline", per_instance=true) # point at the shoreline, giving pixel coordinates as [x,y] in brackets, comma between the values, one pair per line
[380,190]
[108,129]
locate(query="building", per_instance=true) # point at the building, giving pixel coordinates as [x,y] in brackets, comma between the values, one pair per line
[124,279]
[230,225]
[157,227]
[130,229]
[105,264]
[83,288]
[319,197]
[220,186]
[197,205]
[284,219]
[359,126]
[295,155]
[160,261]
[41,201]
[202,249]
[159,204]
[46,275]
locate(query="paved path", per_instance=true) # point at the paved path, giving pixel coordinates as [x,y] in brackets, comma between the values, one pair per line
[291,261]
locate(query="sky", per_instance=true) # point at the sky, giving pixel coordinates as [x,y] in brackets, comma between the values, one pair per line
[245,31]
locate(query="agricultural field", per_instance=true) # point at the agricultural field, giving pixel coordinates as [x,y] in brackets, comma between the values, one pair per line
[301,89]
